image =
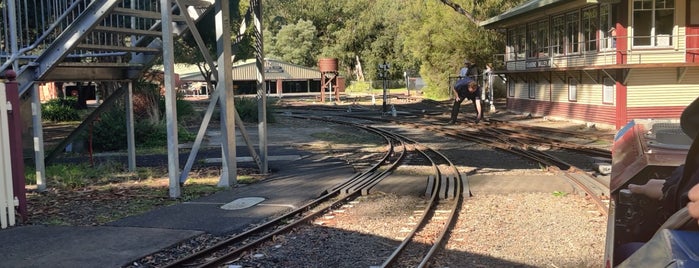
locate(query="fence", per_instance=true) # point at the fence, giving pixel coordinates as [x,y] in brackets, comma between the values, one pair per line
[7,200]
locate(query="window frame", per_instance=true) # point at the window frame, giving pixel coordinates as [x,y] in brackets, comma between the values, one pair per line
[608,89]
[511,87]
[572,33]
[531,87]
[607,22]
[572,89]
[653,34]
[558,35]
[589,25]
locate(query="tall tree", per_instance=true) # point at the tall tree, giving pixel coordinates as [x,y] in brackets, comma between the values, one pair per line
[431,37]
[295,43]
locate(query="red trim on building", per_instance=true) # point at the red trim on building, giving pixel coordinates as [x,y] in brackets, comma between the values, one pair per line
[572,110]
[664,112]
[621,97]
[692,44]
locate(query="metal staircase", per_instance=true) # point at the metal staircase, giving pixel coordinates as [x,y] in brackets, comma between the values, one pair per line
[87,40]
[117,41]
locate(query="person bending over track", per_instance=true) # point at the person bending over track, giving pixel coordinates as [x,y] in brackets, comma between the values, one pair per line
[466,88]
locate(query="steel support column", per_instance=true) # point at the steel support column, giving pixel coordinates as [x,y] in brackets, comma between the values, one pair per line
[173,159]
[256,6]
[130,135]
[225,86]
[38,133]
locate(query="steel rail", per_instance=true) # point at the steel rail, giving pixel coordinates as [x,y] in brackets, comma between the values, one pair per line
[368,175]
[423,221]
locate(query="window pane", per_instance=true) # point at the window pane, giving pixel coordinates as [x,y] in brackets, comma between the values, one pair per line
[664,22]
[664,4]
[573,32]
[589,25]
[558,35]
[572,89]
[521,42]
[533,46]
[544,38]
[642,27]
[608,91]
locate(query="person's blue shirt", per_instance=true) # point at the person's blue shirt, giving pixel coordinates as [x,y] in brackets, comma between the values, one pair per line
[461,87]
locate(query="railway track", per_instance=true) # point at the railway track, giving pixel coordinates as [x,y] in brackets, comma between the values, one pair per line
[432,222]
[446,184]
[446,191]
[500,135]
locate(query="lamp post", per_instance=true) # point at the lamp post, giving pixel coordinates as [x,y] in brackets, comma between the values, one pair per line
[383,74]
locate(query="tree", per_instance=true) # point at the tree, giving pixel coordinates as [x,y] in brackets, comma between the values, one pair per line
[295,43]
[431,37]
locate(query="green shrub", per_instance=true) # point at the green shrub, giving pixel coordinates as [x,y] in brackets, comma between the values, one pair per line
[185,110]
[109,133]
[60,110]
[247,109]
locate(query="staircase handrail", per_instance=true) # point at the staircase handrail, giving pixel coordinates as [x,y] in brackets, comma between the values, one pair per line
[15,55]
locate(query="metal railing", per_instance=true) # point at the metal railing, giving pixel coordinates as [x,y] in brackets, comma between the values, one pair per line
[606,54]
[30,26]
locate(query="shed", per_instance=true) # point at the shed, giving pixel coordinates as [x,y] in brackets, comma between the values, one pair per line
[280,77]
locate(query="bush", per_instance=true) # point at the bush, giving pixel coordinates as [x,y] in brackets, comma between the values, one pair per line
[109,133]
[247,109]
[185,109]
[60,110]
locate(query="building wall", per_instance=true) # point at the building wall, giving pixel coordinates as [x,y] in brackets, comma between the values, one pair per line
[552,99]
[651,93]
[657,93]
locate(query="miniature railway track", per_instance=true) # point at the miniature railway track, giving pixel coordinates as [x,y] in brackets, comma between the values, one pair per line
[445,195]
[232,247]
[446,192]
[520,143]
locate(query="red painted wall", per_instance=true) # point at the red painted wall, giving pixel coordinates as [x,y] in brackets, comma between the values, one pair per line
[692,43]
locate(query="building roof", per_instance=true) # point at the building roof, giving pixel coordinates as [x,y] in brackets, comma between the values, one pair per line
[527,8]
[247,71]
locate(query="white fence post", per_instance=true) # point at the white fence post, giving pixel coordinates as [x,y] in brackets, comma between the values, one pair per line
[7,204]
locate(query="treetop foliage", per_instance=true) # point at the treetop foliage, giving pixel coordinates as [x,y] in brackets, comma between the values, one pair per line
[426,37]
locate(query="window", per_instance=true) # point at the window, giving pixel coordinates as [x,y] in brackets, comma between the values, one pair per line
[572,33]
[590,21]
[572,89]
[532,89]
[537,34]
[511,44]
[558,35]
[608,91]
[607,22]
[510,88]
[521,42]
[653,21]
[543,35]
[532,32]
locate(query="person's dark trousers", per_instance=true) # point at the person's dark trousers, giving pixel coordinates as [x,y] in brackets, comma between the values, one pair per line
[455,109]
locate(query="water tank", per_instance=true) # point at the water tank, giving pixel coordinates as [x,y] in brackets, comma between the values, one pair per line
[327,65]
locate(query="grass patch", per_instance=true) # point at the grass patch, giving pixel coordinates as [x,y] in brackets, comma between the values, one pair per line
[559,194]
[355,137]
[81,195]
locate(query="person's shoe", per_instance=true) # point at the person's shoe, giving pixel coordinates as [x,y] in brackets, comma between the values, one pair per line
[451,122]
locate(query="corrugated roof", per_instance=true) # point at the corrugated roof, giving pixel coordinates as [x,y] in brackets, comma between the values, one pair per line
[520,10]
[247,71]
